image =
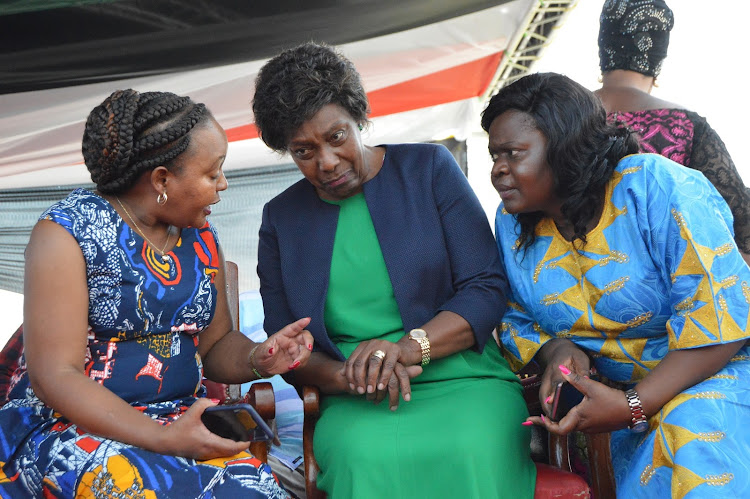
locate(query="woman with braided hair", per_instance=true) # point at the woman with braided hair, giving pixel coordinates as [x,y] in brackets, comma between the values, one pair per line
[124,314]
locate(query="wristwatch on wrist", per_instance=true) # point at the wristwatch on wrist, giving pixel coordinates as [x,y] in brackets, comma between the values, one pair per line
[638,420]
[420,336]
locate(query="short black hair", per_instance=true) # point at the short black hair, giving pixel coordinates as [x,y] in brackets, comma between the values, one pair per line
[583,148]
[294,85]
[131,132]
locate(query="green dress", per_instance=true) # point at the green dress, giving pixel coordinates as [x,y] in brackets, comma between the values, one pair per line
[461,433]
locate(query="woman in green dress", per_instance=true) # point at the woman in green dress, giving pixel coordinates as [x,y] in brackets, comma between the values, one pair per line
[389,252]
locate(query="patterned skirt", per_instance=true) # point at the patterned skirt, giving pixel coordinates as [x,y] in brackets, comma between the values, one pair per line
[43,455]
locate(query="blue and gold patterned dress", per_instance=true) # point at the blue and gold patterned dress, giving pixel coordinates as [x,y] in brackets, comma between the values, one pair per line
[660,272]
[144,318]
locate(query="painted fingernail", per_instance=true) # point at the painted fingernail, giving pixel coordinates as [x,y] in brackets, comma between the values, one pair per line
[351,386]
[370,388]
[543,418]
[407,397]
[381,387]
[360,390]
[394,407]
[548,400]
[295,365]
[527,423]
[270,351]
[564,369]
[309,346]
[215,401]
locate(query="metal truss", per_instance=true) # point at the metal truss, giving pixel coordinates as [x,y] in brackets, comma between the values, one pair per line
[532,37]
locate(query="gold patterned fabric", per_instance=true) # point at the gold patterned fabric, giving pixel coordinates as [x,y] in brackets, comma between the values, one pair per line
[659,272]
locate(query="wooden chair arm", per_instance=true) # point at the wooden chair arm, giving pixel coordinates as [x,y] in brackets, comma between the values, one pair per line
[311,407]
[600,465]
[262,398]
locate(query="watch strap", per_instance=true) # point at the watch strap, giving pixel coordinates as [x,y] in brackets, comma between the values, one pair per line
[638,419]
[424,345]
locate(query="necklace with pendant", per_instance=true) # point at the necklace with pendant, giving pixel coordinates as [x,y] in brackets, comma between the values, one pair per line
[164,257]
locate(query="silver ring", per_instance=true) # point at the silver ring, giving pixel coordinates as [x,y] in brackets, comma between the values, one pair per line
[379,354]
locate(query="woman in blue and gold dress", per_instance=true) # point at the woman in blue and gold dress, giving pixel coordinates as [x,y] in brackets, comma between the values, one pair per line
[123,319]
[627,263]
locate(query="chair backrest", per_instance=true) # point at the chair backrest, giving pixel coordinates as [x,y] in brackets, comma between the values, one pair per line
[260,395]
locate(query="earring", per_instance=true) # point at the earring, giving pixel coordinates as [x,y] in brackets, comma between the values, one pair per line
[360,126]
[162,198]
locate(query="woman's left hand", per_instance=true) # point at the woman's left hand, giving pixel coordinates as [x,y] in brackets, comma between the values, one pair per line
[603,409]
[370,366]
[285,350]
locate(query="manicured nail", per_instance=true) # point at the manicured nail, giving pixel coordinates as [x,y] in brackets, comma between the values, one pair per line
[548,400]
[370,388]
[381,387]
[215,401]
[360,390]
[564,369]
[270,351]
[586,377]
[351,386]
[543,418]
[309,346]
[295,365]
[394,407]
[407,397]
[527,423]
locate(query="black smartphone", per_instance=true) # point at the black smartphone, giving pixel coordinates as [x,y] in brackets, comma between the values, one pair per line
[566,397]
[239,422]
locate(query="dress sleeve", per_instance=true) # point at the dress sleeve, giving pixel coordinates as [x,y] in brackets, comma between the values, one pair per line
[710,156]
[277,313]
[690,239]
[478,278]
[520,336]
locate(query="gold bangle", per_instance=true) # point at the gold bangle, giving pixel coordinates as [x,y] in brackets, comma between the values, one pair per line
[252,363]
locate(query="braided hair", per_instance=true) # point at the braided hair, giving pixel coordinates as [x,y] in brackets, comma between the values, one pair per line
[131,133]
[583,148]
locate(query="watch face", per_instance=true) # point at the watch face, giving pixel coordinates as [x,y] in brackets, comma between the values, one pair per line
[639,427]
[418,333]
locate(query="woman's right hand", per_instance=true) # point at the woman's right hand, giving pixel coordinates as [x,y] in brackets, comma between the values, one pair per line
[560,352]
[399,384]
[188,437]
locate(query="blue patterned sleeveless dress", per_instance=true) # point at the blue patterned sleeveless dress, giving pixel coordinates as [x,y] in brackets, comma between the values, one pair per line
[144,319]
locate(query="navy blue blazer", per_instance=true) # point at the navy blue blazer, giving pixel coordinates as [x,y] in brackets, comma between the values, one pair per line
[436,241]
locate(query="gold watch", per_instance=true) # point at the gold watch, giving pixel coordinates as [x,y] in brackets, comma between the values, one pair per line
[420,336]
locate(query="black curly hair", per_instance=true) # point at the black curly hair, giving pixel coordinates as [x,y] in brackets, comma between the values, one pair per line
[297,83]
[131,132]
[583,148]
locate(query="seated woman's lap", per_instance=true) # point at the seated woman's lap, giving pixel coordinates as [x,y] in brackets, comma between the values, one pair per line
[699,442]
[445,436]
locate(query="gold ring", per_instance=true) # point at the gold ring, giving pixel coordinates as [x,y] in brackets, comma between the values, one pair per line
[379,354]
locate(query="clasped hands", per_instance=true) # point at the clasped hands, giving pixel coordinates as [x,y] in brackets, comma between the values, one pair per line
[603,408]
[284,350]
[380,368]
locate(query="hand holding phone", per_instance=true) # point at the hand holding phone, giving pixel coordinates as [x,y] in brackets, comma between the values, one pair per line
[239,422]
[566,397]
